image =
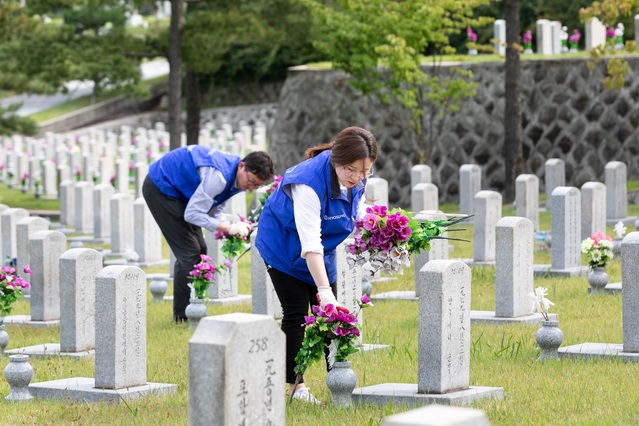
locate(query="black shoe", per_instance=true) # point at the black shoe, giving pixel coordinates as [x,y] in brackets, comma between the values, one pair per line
[179,320]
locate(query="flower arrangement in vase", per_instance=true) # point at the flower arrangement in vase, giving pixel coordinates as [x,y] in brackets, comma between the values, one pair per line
[598,248]
[549,337]
[335,329]
[203,274]
[24,181]
[11,290]
[471,43]
[573,40]
[527,40]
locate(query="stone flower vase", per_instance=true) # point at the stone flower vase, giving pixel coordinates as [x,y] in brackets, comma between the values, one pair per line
[4,338]
[341,381]
[597,278]
[549,337]
[18,374]
[158,288]
[195,311]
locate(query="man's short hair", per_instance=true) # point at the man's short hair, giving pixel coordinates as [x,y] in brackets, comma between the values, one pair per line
[260,164]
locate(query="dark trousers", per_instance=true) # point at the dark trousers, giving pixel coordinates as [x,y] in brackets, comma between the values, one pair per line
[185,240]
[295,296]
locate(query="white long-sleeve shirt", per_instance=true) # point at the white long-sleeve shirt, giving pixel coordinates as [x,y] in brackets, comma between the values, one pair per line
[306,209]
[198,210]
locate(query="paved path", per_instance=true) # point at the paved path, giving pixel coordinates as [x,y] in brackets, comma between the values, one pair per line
[36,103]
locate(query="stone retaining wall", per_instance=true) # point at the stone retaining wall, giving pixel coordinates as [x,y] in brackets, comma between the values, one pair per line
[567,114]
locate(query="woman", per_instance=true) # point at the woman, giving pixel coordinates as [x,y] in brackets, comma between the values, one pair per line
[312,211]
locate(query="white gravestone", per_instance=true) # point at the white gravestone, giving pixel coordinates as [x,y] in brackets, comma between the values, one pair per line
[10,218]
[499,34]
[595,34]
[616,191]
[264,300]
[555,175]
[46,247]
[487,205]
[236,371]
[469,185]
[424,196]
[527,198]
[593,208]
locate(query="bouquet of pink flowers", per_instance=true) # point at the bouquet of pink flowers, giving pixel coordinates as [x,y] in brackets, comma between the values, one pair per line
[11,286]
[203,274]
[385,240]
[330,327]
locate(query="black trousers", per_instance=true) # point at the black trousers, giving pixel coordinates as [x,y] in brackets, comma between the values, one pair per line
[185,240]
[295,297]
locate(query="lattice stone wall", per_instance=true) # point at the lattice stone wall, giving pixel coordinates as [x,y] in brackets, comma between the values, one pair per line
[567,114]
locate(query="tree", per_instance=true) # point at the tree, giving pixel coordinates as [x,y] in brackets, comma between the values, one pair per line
[360,35]
[175,74]
[512,150]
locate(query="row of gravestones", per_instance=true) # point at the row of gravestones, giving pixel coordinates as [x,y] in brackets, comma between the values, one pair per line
[222,390]
[100,156]
[549,35]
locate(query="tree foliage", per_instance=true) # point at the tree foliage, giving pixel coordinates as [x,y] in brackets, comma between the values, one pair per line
[381,44]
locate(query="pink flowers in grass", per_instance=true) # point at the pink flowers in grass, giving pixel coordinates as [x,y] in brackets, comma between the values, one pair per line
[470,35]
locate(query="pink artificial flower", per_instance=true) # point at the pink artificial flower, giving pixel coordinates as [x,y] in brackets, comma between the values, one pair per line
[227,263]
[366,300]
[205,258]
[370,222]
[26,269]
[309,320]
[209,276]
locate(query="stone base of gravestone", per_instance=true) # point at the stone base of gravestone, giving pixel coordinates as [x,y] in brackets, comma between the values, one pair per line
[119,259]
[611,288]
[89,239]
[547,271]
[240,298]
[395,295]
[25,321]
[473,262]
[49,350]
[82,389]
[437,415]
[405,393]
[630,220]
[488,317]
[598,350]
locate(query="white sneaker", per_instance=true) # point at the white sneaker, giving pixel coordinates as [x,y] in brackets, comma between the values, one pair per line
[304,394]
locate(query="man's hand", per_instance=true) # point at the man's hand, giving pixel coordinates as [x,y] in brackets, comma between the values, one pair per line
[241,229]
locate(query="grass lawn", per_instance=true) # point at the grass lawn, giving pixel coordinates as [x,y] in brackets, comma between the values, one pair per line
[577,392]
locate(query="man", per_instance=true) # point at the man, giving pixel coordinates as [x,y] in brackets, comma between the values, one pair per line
[186,190]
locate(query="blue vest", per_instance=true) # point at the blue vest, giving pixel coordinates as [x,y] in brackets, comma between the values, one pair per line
[175,173]
[277,239]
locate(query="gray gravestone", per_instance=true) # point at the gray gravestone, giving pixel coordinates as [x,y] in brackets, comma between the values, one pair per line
[10,218]
[120,344]
[78,270]
[420,173]
[593,208]
[49,180]
[543,32]
[148,237]
[121,222]
[83,215]
[424,196]
[438,247]
[140,171]
[616,191]
[25,228]
[102,211]
[469,185]
[120,327]
[514,266]
[630,292]
[377,190]
[226,283]
[236,371]
[46,247]
[527,198]
[566,228]
[67,209]
[349,283]
[487,205]
[499,34]
[264,300]
[555,175]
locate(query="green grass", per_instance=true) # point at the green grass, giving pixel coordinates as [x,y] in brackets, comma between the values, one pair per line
[572,392]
